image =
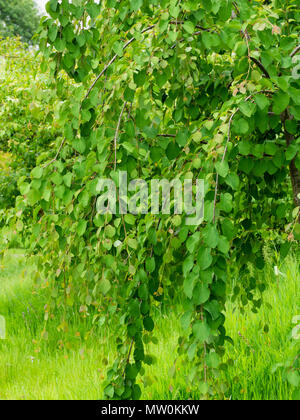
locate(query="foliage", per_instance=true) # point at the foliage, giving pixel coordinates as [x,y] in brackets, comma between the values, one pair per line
[19,18]
[193,88]
[26,116]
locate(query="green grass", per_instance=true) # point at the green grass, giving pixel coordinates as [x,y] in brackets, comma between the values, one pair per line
[72,366]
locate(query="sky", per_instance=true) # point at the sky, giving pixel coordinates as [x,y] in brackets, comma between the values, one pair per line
[41,4]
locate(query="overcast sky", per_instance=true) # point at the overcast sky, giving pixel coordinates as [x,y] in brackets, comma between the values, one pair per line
[41,4]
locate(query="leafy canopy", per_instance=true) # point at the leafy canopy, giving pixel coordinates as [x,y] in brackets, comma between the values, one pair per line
[164,89]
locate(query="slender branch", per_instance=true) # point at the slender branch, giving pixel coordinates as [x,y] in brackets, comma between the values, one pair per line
[223,159]
[297,49]
[113,60]
[205,351]
[166,135]
[117,133]
[128,356]
[181,22]
[261,66]
[236,8]
[57,154]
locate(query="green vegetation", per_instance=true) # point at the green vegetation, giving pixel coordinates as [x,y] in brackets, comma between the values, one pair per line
[74,366]
[184,91]
[18,18]
[27,129]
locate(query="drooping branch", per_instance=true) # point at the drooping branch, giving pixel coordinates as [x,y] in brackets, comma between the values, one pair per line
[117,133]
[166,135]
[181,22]
[261,66]
[223,159]
[114,59]
[57,154]
[295,51]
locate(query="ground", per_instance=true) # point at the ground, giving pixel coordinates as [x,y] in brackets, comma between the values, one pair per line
[72,365]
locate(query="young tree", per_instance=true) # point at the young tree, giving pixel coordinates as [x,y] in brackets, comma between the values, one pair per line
[164,89]
[18,18]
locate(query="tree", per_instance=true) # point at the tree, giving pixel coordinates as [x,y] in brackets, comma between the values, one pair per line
[27,105]
[168,89]
[19,18]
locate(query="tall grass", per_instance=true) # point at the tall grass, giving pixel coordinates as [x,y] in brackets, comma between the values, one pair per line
[72,365]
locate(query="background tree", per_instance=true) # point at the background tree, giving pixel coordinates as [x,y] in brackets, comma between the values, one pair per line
[26,116]
[18,18]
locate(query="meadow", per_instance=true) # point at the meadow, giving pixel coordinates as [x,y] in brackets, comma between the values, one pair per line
[73,365]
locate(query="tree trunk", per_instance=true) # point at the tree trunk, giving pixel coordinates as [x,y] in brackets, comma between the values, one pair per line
[294,172]
[295,178]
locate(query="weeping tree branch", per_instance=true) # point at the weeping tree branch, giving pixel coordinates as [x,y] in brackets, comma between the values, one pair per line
[226,146]
[114,59]
[261,66]
[95,82]
[223,159]
[181,22]
[57,154]
[117,133]
[296,50]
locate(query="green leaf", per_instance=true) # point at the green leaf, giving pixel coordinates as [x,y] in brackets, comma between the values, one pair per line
[189,27]
[182,137]
[188,265]
[293,378]
[150,264]
[132,243]
[188,285]
[241,126]
[247,108]
[201,294]
[37,172]
[148,324]
[211,236]
[222,168]
[110,231]
[212,360]
[201,331]
[172,151]
[81,228]
[104,286]
[130,219]
[262,101]
[281,101]
[204,258]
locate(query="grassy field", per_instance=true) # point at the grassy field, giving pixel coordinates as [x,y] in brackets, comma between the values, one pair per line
[73,367]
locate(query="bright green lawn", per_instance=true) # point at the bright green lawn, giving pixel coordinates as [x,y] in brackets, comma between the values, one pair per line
[75,369]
